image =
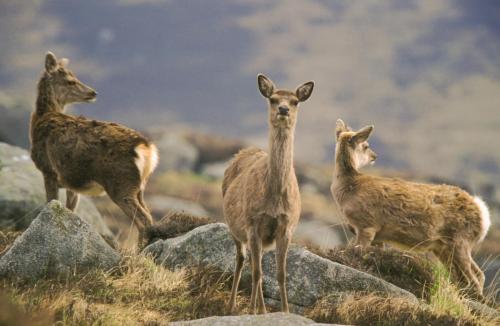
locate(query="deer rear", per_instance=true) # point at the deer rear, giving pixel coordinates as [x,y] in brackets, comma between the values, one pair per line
[87,156]
[442,219]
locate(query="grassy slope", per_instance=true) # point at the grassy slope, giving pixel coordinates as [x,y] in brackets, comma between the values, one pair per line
[141,292]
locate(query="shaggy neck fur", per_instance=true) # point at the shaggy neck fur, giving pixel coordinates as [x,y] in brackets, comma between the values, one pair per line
[344,164]
[280,166]
[46,100]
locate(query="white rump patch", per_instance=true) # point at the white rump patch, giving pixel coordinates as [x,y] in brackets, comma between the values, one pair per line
[146,160]
[140,161]
[485,217]
[155,158]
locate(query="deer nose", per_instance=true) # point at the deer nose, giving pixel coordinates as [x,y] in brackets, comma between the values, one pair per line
[93,93]
[283,110]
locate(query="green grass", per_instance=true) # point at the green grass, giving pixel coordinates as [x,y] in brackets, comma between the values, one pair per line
[445,296]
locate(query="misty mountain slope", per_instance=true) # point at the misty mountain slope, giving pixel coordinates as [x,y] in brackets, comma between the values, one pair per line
[426,73]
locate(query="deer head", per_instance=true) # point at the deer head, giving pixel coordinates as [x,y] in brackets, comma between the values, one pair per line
[65,85]
[283,104]
[358,148]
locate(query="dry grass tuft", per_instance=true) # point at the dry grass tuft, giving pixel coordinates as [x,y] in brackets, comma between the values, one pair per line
[211,290]
[7,239]
[136,292]
[175,224]
[409,271]
[371,309]
[447,305]
[11,315]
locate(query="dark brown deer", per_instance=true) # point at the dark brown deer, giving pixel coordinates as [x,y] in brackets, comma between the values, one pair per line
[87,156]
[441,219]
[261,195]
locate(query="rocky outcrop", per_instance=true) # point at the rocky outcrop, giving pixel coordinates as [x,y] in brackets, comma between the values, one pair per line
[274,319]
[57,243]
[213,148]
[178,153]
[161,205]
[22,193]
[309,277]
[214,170]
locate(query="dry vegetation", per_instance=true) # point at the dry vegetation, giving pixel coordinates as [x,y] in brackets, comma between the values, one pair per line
[189,186]
[6,240]
[141,292]
[444,304]
[371,309]
[408,271]
[175,224]
[138,292]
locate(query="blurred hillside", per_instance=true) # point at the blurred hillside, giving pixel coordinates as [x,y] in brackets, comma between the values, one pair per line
[426,73]
[189,180]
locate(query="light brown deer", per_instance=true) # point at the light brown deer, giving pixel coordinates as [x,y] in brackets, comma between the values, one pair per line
[261,195]
[441,219]
[87,156]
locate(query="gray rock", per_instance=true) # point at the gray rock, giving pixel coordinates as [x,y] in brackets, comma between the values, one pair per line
[274,319]
[309,277]
[484,310]
[57,243]
[162,205]
[491,266]
[214,170]
[22,193]
[319,233]
[213,148]
[176,153]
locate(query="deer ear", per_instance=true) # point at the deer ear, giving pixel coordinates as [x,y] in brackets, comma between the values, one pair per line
[64,62]
[362,135]
[304,91]
[50,62]
[340,127]
[266,86]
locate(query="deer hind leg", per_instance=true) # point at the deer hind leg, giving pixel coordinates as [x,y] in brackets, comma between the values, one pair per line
[140,198]
[365,236]
[256,254]
[72,199]
[51,187]
[140,216]
[460,261]
[283,238]
[477,270]
[240,259]
[463,261]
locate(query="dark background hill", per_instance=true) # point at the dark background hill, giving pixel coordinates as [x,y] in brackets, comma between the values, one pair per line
[426,73]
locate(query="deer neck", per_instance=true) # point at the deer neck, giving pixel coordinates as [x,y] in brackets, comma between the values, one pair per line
[344,164]
[46,100]
[280,161]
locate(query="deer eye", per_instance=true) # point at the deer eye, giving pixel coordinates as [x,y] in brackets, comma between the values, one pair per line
[365,147]
[294,102]
[274,101]
[71,82]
